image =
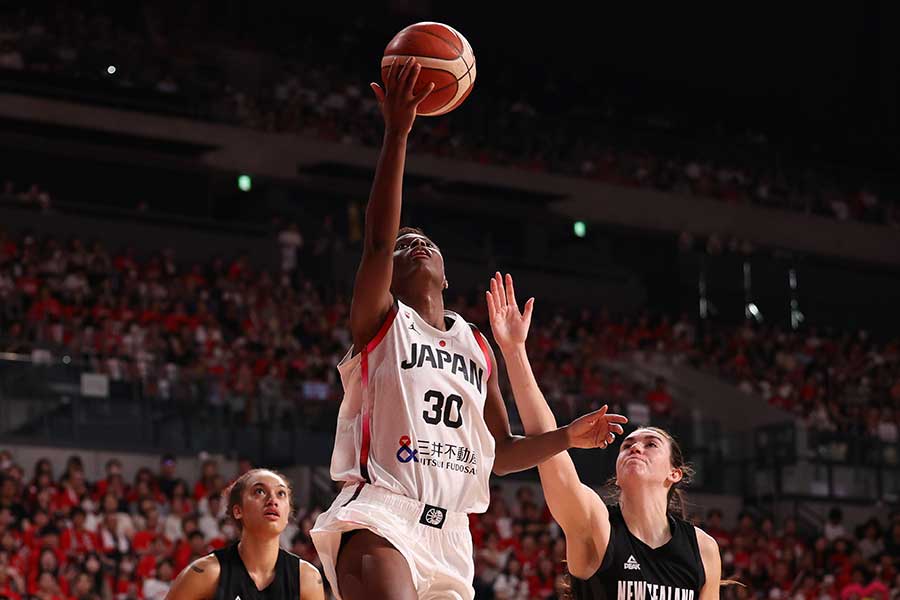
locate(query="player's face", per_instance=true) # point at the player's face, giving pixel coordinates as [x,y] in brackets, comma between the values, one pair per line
[265,504]
[414,252]
[645,455]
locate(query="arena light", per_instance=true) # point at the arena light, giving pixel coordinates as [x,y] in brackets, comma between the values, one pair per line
[111,69]
[580,229]
[244,183]
[752,312]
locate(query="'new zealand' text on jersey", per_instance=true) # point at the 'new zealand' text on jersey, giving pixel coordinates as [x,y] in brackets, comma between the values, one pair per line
[412,417]
[632,570]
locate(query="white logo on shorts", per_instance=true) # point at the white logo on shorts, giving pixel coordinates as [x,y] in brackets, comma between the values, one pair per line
[631,564]
[434,517]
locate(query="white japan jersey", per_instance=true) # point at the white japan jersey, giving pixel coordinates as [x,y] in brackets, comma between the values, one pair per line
[412,417]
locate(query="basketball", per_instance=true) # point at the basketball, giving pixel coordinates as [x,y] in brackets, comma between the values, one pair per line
[446,59]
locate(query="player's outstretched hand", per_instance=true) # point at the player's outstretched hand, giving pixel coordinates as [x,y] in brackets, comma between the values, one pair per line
[595,430]
[510,326]
[398,103]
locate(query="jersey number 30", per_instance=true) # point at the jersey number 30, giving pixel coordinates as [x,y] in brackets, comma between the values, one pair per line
[443,410]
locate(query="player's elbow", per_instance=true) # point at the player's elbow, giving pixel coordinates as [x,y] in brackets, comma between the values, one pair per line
[503,457]
[500,470]
[376,245]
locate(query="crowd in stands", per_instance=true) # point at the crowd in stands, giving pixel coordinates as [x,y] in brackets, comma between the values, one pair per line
[842,384]
[64,537]
[257,344]
[309,89]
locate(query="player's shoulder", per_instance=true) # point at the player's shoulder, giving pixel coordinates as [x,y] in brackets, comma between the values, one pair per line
[481,340]
[311,587]
[307,568]
[198,580]
[707,543]
[208,566]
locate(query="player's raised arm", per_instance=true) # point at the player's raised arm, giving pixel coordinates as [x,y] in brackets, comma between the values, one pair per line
[371,293]
[577,508]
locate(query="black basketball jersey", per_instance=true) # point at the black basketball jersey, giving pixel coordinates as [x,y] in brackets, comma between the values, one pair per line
[235,582]
[632,570]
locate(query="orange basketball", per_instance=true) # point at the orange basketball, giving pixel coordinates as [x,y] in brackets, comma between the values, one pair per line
[446,59]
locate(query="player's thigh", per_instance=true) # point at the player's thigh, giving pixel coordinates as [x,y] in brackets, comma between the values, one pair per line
[370,568]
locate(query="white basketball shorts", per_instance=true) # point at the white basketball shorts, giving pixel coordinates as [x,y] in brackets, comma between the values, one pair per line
[436,543]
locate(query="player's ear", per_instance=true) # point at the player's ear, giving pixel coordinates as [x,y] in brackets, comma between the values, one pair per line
[676,475]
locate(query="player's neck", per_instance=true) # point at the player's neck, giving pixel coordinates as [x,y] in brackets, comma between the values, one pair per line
[429,305]
[645,516]
[259,557]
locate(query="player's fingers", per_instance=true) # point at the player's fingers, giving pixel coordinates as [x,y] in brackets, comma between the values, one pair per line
[614,418]
[412,78]
[489,298]
[495,294]
[501,293]
[610,438]
[379,92]
[603,410]
[424,93]
[405,69]
[392,71]
[510,292]
[529,308]
[616,429]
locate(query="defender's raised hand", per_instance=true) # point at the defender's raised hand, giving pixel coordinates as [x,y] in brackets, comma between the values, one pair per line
[398,103]
[510,326]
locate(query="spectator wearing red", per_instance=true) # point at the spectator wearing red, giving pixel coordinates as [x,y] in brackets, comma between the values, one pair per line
[29,283]
[31,529]
[45,307]
[12,546]
[182,553]
[145,487]
[100,581]
[180,502]
[72,489]
[529,554]
[206,484]
[198,546]
[152,529]
[83,587]
[47,563]
[11,584]
[113,469]
[126,583]
[76,540]
[43,486]
[542,584]
[49,586]
[713,527]
[159,550]
[660,400]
